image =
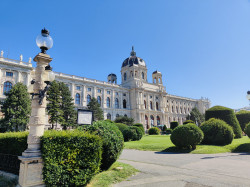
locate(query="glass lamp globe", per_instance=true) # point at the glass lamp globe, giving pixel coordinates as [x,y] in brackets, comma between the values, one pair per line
[44,41]
[248,95]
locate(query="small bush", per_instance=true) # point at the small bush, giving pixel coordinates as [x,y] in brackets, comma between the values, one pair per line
[217,132]
[247,130]
[169,131]
[174,124]
[187,136]
[71,158]
[243,117]
[227,115]
[154,131]
[133,133]
[121,127]
[140,126]
[13,143]
[112,141]
[188,121]
[164,128]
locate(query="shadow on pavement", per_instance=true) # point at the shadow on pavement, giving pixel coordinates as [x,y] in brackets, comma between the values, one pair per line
[174,150]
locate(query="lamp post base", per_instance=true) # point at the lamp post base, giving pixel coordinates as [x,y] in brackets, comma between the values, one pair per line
[30,173]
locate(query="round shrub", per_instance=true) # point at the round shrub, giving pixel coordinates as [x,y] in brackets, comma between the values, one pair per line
[121,126]
[112,141]
[154,131]
[217,132]
[187,136]
[174,124]
[169,131]
[164,128]
[243,117]
[132,133]
[188,121]
[227,115]
[247,130]
[71,158]
[140,126]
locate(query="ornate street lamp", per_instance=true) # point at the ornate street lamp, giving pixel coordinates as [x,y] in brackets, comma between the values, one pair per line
[31,165]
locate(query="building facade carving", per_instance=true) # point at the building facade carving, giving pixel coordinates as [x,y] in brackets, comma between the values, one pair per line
[148,103]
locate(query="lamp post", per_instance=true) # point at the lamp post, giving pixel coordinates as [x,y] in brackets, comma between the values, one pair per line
[31,165]
[248,96]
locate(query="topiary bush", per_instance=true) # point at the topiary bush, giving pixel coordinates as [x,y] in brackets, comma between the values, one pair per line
[13,143]
[121,127]
[164,128]
[247,130]
[188,121]
[217,132]
[174,124]
[140,126]
[154,131]
[112,141]
[227,115]
[187,136]
[132,133]
[71,158]
[243,117]
[169,131]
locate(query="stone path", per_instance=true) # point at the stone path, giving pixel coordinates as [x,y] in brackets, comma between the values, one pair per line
[160,169]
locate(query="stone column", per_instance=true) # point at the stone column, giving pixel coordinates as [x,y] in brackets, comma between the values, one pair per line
[31,165]
[19,77]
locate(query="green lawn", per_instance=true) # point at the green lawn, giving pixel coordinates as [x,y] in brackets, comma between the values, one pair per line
[163,143]
[118,172]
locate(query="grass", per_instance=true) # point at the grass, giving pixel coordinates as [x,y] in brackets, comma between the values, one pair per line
[117,173]
[163,143]
[6,182]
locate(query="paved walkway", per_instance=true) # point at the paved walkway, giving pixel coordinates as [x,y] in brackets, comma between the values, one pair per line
[187,170]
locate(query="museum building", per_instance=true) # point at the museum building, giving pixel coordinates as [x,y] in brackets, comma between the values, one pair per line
[148,103]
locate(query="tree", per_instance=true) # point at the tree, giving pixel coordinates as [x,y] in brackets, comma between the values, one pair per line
[196,116]
[16,108]
[54,104]
[96,108]
[125,120]
[67,107]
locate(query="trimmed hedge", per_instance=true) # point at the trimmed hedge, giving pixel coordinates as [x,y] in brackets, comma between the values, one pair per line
[154,131]
[243,117]
[112,141]
[227,115]
[187,136]
[247,130]
[217,132]
[13,143]
[174,124]
[140,126]
[71,158]
[188,121]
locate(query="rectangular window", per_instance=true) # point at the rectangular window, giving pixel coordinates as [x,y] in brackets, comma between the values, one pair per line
[9,74]
[151,96]
[108,92]
[116,93]
[156,97]
[124,94]
[78,87]
[99,91]
[89,89]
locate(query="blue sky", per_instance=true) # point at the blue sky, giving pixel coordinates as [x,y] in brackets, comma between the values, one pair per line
[202,47]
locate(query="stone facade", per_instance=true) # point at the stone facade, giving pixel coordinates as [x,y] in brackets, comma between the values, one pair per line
[148,103]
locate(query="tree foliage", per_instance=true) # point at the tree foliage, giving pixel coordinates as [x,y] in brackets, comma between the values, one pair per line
[16,108]
[125,120]
[96,108]
[196,116]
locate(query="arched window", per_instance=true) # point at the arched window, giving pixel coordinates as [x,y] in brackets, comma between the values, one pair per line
[116,103]
[142,75]
[146,121]
[135,73]
[158,120]
[125,76]
[172,109]
[77,99]
[151,105]
[145,104]
[99,100]
[117,115]
[131,74]
[125,115]
[176,109]
[109,116]
[88,99]
[152,121]
[185,110]
[7,87]
[124,103]
[157,106]
[169,119]
[181,110]
[108,102]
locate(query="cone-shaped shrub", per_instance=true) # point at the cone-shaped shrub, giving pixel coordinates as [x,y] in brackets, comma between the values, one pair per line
[217,132]
[227,115]
[243,117]
[187,136]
